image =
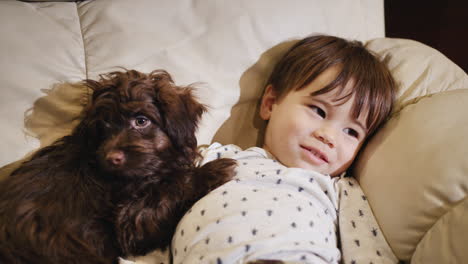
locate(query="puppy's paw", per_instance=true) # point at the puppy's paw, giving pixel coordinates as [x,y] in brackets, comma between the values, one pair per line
[137,229]
[218,172]
[125,230]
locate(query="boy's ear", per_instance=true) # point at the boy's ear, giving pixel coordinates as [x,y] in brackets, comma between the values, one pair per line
[268,100]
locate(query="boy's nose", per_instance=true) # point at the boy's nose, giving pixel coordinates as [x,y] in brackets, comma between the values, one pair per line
[327,135]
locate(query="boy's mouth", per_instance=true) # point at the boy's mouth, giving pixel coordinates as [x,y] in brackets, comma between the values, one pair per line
[317,153]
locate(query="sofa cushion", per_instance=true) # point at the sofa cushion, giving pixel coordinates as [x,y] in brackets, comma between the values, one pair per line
[41,46]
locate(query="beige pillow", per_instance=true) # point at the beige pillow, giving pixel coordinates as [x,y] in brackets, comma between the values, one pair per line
[52,116]
[415,170]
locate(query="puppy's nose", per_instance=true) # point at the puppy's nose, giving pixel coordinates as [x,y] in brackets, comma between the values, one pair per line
[116,157]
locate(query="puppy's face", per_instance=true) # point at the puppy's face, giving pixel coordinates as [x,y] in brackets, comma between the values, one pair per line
[140,122]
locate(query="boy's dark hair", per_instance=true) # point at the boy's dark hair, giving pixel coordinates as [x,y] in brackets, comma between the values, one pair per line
[374,86]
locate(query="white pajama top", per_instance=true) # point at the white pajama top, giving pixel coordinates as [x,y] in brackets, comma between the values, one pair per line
[268,211]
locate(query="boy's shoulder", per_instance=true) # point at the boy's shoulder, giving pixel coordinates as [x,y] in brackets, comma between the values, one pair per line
[217,150]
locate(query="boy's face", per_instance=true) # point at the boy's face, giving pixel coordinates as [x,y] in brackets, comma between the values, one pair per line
[313,132]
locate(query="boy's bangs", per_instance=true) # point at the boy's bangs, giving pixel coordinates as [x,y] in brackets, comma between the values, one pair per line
[370,97]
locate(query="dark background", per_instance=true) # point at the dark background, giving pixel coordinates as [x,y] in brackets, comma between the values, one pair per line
[441,24]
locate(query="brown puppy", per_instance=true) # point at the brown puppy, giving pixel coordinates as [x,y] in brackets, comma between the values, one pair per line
[118,185]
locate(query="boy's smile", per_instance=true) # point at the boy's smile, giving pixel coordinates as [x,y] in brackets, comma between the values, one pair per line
[315,132]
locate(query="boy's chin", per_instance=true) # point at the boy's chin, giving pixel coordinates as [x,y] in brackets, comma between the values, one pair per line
[338,173]
[310,167]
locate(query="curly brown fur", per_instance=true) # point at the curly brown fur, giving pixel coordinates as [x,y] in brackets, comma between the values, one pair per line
[118,185]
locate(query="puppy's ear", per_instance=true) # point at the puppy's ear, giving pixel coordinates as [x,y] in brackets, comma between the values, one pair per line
[182,113]
[180,110]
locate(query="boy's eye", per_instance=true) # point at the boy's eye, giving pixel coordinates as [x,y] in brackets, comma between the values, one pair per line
[351,132]
[319,111]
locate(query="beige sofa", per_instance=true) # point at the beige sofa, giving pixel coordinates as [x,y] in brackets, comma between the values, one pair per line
[414,171]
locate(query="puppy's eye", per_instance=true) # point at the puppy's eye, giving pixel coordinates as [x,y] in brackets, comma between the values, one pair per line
[140,122]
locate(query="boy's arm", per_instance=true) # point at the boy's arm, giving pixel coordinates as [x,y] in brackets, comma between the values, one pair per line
[360,236]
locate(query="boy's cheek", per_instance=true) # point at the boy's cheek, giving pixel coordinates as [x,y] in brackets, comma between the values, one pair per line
[347,160]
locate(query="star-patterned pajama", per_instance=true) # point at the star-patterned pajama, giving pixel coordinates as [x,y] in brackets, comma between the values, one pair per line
[268,211]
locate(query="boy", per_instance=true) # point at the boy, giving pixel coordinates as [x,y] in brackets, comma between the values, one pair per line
[324,98]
